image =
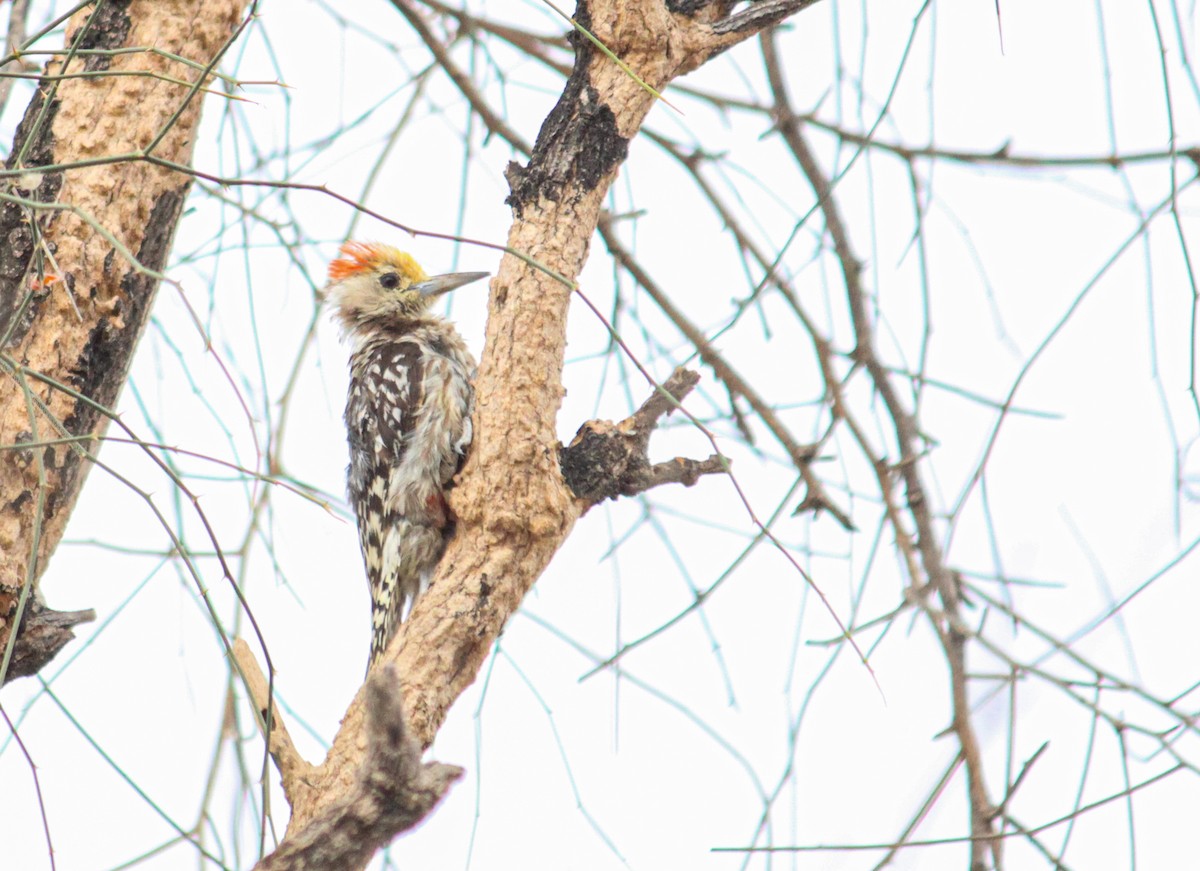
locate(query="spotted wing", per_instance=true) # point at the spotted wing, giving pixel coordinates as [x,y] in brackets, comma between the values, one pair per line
[381,411]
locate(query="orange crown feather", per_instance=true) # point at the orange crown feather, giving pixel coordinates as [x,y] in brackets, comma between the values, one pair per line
[357,257]
[360,257]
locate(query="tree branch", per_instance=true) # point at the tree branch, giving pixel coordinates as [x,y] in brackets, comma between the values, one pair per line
[607,460]
[393,792]
[512,503]
[12,44]
[109,228]
[293,769]
[760,16]
[947,622]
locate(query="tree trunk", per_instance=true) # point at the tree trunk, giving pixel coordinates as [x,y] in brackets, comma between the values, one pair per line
[514,508]
[100,216]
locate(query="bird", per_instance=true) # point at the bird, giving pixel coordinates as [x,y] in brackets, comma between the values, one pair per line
[408,419]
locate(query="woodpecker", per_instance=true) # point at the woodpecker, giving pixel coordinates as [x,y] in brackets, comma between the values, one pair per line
[408,419]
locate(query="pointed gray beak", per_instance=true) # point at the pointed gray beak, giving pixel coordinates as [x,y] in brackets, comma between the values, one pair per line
[440,284]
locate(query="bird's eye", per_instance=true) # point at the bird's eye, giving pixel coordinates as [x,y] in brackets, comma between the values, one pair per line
[389,280]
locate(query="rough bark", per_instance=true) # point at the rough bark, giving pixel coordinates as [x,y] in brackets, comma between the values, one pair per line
[513,505]
[79,333]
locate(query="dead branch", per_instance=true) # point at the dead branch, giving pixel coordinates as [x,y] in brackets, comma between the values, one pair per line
[947,621]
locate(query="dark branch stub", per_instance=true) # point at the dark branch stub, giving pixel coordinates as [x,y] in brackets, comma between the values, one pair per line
[395,791]
[606,460]
[41,635]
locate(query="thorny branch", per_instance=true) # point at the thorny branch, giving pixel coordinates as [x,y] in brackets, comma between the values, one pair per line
[816,499]
[13,40]
[947,622]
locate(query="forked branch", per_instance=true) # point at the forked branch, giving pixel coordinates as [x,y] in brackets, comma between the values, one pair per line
[606,460]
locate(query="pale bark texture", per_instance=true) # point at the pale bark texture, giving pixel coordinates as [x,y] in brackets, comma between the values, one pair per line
[513,504]
[67,345]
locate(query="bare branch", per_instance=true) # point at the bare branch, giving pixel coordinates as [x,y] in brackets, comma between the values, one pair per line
[12,44]
[947,621]
[495,124]
[292,767]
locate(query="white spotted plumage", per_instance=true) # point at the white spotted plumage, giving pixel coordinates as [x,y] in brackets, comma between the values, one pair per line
[408,418]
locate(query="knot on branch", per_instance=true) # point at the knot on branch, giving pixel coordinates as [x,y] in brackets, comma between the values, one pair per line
[606,460]
[41,634]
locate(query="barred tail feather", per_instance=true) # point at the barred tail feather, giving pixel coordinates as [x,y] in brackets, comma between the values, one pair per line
[410,552]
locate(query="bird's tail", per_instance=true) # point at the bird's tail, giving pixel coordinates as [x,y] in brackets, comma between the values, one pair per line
[411,551]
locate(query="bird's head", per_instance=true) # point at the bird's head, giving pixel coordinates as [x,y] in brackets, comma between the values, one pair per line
[372,282]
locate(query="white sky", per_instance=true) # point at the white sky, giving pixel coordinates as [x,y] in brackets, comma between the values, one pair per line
[659,763]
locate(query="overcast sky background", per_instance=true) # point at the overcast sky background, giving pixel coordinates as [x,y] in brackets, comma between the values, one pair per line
[656,768]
